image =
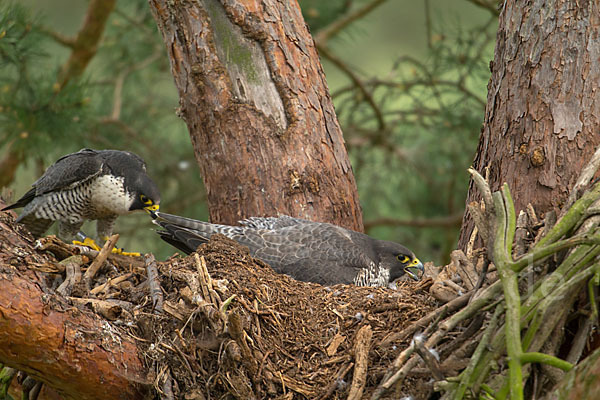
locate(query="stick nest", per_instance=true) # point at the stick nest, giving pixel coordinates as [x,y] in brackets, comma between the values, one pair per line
[276,336]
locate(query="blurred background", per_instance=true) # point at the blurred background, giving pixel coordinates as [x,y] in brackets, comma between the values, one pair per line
[408,79]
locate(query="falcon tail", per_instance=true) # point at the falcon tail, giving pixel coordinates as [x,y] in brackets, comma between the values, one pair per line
[22,202]
[176,233]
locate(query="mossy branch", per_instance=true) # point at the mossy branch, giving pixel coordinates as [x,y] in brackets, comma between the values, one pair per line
[501,235]
[510,286]
[542,252]
[541,358]
[571,217]
[534,312]
[467,376]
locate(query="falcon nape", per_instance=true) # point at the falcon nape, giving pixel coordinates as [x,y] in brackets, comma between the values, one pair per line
[87,185]
[307,251]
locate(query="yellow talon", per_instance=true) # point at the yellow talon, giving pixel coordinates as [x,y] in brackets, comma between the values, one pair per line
[118,250]
[87,242]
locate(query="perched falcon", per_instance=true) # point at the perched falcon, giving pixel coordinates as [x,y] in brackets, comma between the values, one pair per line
[87,185]
[305,250]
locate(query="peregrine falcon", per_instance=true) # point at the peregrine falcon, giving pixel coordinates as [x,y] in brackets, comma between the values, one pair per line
[87,185]
[308,251]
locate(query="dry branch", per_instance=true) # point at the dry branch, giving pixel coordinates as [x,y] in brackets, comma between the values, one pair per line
[99,260]
[154,283]
[361,357]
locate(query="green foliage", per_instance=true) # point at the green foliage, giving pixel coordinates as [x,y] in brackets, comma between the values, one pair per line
[34,113]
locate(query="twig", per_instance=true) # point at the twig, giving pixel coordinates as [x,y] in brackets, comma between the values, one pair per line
[109,309]
[431,362]
[111,282]
[167,387]
[428,83]
[344,369]
[31,388]
[154,283]
[501,250]
[586,175]
[60,38]
[521,234]
[447,308]
[569,219]
[484,189]
[120,81]
[467,374]
[361,357]
[580,341]
[183,358]
[334,28]
[206,286]
[99,260]
[428,24]
[73,274]
[324,51]
[535,357]
[6,376]
[539,253]
[482,276]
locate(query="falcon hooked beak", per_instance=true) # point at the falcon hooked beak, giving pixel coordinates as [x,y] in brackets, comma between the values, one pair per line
[149,205]
[415,269]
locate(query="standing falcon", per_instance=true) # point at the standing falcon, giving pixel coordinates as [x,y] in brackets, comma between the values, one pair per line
[87,185]
[308,251]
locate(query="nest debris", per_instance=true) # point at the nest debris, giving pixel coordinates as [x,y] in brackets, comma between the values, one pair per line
[220,323]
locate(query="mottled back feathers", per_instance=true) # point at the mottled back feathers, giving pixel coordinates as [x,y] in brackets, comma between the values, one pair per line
[306,250]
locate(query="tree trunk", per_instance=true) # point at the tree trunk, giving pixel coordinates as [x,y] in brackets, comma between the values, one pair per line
[543,105]
[254,97]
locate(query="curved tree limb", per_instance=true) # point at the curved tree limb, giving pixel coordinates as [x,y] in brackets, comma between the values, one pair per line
[56,345]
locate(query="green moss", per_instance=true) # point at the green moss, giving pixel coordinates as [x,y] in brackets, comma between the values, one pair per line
[232,47]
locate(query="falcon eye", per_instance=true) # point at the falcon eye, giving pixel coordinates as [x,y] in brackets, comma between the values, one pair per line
[403,259]
[145,200]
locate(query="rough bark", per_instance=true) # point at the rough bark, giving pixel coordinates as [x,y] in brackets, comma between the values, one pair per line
[543,105]
[254,97]
[74,352]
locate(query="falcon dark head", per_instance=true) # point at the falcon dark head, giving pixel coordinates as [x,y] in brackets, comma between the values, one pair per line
[141,191]
[399,260]
[87,185]
[308,251]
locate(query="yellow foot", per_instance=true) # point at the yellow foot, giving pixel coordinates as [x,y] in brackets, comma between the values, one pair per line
[118,250]
[89,242]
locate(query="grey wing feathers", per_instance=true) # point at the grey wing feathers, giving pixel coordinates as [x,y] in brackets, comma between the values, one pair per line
[66,171]
[271,222]
[69,170]
[303,249]
[305,240]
